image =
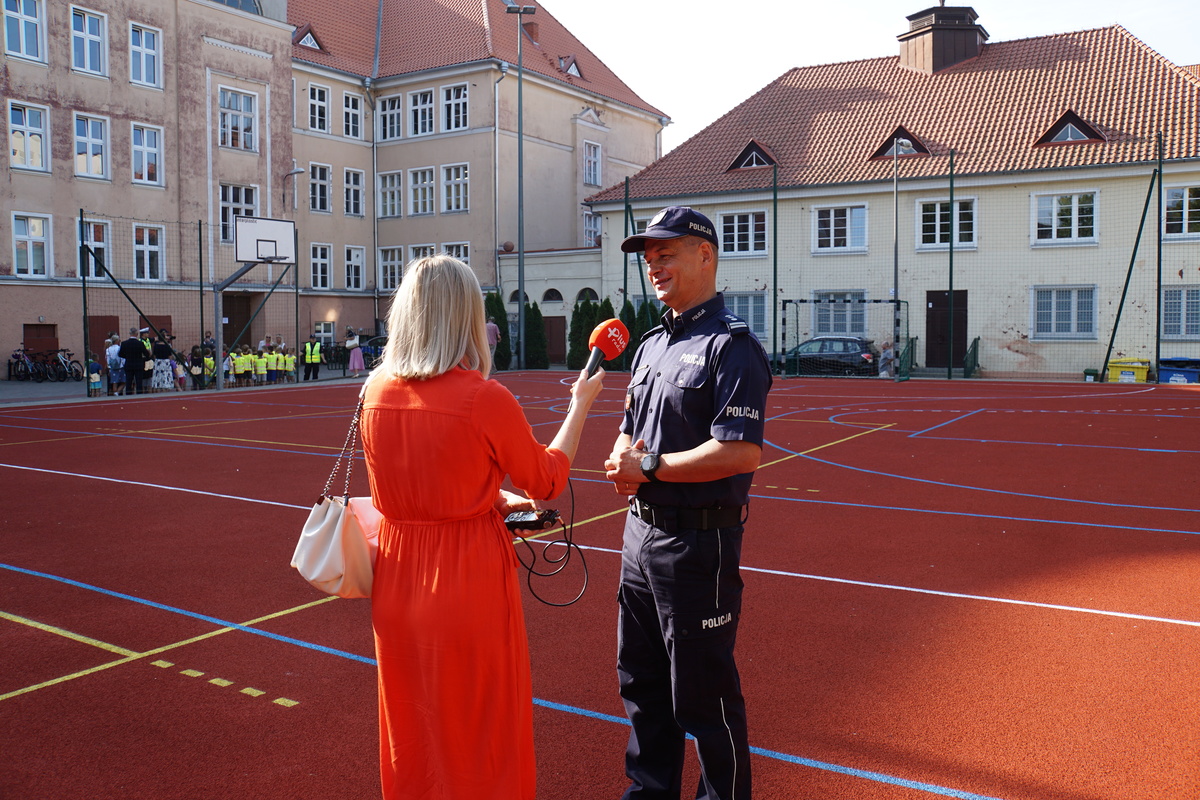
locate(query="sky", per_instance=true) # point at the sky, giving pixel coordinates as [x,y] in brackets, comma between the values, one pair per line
[697,59]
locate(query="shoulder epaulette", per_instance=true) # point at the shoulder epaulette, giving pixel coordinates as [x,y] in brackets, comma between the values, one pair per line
[736,325]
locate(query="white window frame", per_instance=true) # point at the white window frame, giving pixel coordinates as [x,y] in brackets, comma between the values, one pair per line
[324,332]
[1090,327]
[592,163]
[143,55]
[1188,215]
[144,254]
[421,196]
[456,188]
[147,152]
[93,145]
[352,192]
[29,132]
[352,104]
[459,250]
[355,262]
[745,231]
[1181,313]
[592,226]
[421,251]
[94,63]
[391,194]
[43,243]
[391,118]
[391,268]
[421,119]
[752,307]
[32,51]
[318,107]
[318,259]
[455,109]
[851,226]
[1049,201]
[102,247]
[238,127]
[839,313]
[320,186]
[234,204]
[939,223]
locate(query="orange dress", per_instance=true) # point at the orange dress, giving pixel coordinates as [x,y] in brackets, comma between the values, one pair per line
[455,693]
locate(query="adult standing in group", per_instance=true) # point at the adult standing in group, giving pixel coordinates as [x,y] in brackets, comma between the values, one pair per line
[163,378]
[313,358]
[355,359]
[136,357]
[690,441]
[455,691]
[493,336]
[208,341]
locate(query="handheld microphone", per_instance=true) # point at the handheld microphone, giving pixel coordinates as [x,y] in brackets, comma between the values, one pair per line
[608,340]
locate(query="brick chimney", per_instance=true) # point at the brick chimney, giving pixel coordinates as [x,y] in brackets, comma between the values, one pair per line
[941,37]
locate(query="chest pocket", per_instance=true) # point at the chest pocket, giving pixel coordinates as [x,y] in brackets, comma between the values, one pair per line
[686,376]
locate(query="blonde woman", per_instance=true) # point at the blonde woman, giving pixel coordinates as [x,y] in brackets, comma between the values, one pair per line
[455,695]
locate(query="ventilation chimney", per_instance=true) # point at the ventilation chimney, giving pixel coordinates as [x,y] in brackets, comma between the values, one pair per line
[531,28]
[941,37]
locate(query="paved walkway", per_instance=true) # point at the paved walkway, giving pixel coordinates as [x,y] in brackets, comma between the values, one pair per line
[21,393]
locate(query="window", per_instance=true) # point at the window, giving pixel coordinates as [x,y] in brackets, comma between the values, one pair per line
[23,28]
[1181,313]
[355,257]
[552,296]
[420,106]
[237,120]
[744,234]
[147,253]
[454,107]
[318,187]
[1067,312]
[391,268]
[1065,218]
[752,307]
[591,163]
[354,191]
[841,229]
[391,194]
[936,224]
[324,332]
[95,238]
[143,55]
[1069,133]
[27,136]
[352,115]
[587,294]
[1183,211]
[31,245]
[840,312]
[91,146]
[236,201]
[459,250]
[391,118]
[455,188]
[318,108]
[320,266]
[591,229]
[421,251]
[420,196]
[88,48]
[147,154]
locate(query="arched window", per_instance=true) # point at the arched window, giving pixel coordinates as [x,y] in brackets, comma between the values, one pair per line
[587,294]
[552,296]
[515,298]
[243,5]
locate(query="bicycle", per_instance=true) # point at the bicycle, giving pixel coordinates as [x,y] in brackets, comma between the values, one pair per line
[25,367]
[63,366]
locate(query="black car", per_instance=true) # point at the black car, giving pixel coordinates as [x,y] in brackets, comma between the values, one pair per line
[834,355]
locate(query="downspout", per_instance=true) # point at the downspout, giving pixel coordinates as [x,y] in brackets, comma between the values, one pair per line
[496,176]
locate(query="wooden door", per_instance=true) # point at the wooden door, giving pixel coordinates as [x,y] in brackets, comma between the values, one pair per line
[937,328]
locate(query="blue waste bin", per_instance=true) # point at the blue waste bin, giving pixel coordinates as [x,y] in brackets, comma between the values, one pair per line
[1179,370]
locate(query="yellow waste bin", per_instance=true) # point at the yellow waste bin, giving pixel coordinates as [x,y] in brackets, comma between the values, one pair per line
[1128,370]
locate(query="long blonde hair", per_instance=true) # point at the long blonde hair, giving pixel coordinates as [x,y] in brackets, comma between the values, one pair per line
[436,322]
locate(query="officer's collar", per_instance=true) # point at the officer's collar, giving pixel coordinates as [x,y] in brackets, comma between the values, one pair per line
[693,316]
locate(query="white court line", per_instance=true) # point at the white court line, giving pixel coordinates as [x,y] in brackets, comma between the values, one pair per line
[764,571]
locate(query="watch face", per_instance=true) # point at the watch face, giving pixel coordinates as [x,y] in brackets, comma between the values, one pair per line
[649,463]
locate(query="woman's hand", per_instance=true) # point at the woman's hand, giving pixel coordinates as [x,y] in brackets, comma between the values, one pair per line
[585,390]
[508,502]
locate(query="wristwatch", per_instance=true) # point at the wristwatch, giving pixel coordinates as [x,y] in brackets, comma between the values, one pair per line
[650,464]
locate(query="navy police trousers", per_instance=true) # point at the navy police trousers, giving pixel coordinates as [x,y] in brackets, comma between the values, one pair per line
[680,598]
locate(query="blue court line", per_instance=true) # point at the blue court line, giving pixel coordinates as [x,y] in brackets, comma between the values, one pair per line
[857,773]
[947,422]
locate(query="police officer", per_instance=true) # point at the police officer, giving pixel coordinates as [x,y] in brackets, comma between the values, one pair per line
[690,441]
[313,357]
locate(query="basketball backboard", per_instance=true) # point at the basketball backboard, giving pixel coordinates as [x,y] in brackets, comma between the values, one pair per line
[258,239]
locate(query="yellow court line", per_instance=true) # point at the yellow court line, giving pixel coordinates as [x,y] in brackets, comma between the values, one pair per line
[157,650]
[827,444]
[41,626]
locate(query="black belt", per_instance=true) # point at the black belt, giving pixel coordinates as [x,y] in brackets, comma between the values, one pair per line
[678,518]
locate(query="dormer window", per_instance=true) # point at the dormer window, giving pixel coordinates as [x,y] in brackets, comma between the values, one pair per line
[753,155]
[569,65]
[305,38]
[309,41]
[900,143]
[1070,129]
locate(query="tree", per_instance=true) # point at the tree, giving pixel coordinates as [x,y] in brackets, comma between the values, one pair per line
[537,355]
[629,317]
[493,306]
[577,349]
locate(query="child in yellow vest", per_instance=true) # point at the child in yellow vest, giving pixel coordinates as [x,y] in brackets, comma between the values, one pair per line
[260,369]
[272,365]
[289,364]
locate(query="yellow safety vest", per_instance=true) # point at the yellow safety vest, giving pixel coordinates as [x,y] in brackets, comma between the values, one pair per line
[312,352]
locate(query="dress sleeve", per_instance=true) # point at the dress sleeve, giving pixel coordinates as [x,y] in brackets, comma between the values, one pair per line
[539,471]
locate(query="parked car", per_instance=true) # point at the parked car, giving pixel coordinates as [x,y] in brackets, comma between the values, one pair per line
[833,355]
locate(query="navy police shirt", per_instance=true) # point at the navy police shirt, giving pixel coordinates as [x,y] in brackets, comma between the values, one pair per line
[700,375]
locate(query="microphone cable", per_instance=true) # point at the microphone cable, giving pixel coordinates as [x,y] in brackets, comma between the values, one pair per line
[555,563]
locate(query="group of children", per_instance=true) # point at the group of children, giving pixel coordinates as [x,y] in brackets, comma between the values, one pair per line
[270,365]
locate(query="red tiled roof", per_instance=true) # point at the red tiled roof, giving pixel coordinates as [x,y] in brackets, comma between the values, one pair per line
[427,34]
[823,123]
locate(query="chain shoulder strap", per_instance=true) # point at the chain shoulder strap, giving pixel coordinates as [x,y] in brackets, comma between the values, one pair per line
[347,455]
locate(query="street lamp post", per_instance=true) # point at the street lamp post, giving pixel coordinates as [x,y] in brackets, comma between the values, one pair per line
[521,12]
[897,145]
